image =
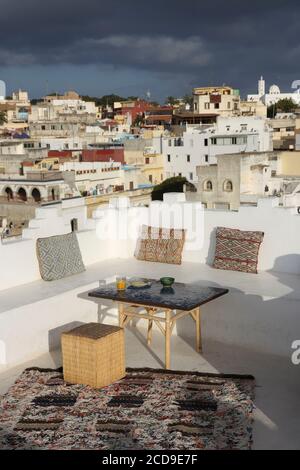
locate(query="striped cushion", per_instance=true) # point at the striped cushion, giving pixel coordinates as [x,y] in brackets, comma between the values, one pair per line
[237,250]
[160,245]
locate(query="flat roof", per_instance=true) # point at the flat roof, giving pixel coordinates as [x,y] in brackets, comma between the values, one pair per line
[211,90]
[191,114]
[159,117]
[29,181]
[267,153]
[7,143]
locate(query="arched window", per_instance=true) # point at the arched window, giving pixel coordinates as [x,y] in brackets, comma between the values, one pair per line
[208,185]
[9,193]
[22,195]
[228,186]
[36,195]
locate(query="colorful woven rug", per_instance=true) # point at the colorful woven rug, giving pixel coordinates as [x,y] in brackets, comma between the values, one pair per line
[148,409]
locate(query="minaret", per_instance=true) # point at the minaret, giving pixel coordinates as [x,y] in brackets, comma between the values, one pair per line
[261,87]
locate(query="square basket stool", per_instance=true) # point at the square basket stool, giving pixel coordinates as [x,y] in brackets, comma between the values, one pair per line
[93,354]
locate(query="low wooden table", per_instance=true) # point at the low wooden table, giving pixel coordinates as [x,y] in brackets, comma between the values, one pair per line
[162,306]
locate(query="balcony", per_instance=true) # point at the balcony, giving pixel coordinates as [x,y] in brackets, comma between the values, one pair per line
[248,331]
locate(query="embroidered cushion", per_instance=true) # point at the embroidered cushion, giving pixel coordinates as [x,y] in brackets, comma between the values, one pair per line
[161,245]
[59,256]
[237,250]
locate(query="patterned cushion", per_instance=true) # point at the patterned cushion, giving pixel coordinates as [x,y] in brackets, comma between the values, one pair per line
[237,250]
[59,256]
[161,245]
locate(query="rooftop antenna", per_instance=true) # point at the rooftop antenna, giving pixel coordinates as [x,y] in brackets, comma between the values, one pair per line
[47,87]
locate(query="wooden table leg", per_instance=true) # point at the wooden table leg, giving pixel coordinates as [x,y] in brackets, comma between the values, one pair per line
[121,314]
[167,339]
[150,325]
[198,330]
[149,333]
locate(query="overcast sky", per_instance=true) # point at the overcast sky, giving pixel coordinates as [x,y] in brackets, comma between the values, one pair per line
[128,46]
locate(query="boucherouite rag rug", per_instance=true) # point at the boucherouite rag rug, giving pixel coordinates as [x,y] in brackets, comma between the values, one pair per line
[147,409]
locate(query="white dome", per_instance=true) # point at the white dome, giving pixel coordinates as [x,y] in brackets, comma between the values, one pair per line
[274,90]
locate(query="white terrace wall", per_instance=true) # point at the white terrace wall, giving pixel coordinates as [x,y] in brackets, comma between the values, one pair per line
[119,226]
[18,260]
[113,232]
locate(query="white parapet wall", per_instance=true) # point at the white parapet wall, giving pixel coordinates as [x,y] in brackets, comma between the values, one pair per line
[118,226]
[19,263]
[113,231]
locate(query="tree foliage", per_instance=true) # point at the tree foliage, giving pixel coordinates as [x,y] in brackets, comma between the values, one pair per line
[105,100]
[139,120]
[35,101]
[188,99]
[286,105]
[170,185]
[171,100]
[3,118]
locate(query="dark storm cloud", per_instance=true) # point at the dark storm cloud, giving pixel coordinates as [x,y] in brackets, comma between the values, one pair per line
[208,41]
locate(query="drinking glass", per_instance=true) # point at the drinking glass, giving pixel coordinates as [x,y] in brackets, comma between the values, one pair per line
[121,282]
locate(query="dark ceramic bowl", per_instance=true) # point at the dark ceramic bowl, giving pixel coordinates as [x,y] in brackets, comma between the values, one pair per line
[167,281]
[167,291]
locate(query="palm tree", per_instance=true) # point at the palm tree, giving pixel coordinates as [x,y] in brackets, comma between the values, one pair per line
[170,100]
[188,99]
[3,118]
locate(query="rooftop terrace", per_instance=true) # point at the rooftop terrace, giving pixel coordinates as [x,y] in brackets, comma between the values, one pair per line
[248,331]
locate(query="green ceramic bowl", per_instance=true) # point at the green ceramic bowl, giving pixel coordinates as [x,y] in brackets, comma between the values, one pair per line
[167,281]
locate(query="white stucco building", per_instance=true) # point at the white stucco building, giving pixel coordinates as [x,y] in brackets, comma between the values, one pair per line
[224,100]
[52,107]
[200,145]
[274,94]
[236,179]
[69,179]
[94,177]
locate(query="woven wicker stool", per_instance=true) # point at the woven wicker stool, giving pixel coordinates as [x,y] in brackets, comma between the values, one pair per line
[93,354]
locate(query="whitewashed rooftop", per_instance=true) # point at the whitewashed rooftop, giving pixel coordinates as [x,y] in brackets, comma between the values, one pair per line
[250,330]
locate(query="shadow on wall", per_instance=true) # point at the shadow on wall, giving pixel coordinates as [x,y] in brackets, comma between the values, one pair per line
[211,248]
[287,264]
[54,335]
